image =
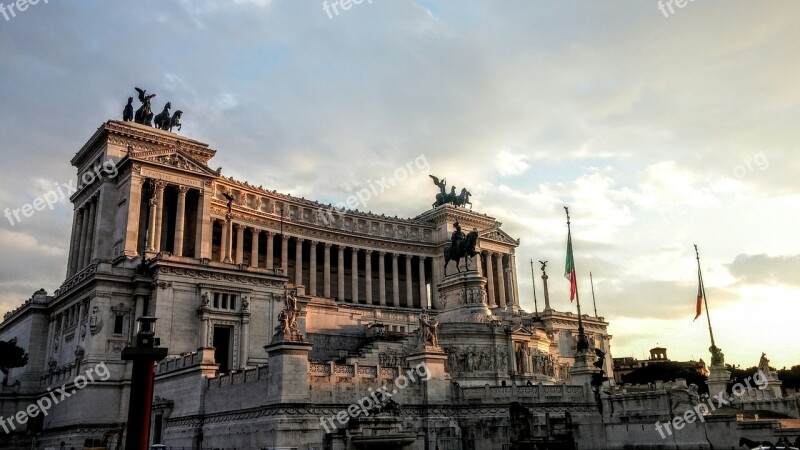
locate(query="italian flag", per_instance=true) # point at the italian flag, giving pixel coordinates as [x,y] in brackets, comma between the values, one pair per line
[569,270]
[699,308]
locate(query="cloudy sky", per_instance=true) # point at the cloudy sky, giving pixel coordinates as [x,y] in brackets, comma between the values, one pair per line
[659,130]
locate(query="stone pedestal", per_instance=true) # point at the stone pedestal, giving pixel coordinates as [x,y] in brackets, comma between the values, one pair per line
[435,386]
[462,299]
[718,378]
[288,371]
[583,370]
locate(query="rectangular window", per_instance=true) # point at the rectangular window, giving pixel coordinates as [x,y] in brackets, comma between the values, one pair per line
[233,301]
[158,427]
[119,321]
[216,300]
[224,301]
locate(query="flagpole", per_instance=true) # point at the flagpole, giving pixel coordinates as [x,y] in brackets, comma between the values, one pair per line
[533,281]
[594,302]
[583,344]
[703,291]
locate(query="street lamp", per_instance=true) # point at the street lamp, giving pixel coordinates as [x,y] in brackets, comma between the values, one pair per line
[144,355]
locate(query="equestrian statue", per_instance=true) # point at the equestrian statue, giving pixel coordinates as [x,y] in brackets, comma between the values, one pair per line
[461,246]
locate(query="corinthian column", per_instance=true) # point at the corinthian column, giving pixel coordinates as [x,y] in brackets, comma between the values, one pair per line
[423,291]
[298,262]
[409,285]
[395,280]
[87,244]
[160,185]
[254,247]
[180,214]
[270,248]
[312,271]
[354,273]
[368,275]
[151,229]
[74,254]
[490,277]
[239,243]
[501,283]
[228,239]
[340,275]
[326,271]
[285,254]
[382,277]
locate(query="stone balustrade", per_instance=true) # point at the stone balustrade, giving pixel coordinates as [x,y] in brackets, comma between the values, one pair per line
[537,393]
[351,370]
[185,361]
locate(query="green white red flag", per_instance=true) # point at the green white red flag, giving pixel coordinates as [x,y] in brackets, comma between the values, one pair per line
[569,270]
[699,308]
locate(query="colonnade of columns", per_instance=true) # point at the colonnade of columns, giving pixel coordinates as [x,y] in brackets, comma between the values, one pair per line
[84,223]
[396,278]
[157,239]
[501,279]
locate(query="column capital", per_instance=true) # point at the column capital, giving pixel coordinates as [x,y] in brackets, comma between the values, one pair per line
[160,185]
[285,237]
[368,251]
[182,190]
[254,229]
[328,245]
[238,226]
[299,239]
[381,252]
[353,249]
[395,256]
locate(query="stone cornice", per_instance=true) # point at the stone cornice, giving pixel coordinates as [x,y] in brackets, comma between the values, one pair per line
[211,274]
[272,223]
[142,137]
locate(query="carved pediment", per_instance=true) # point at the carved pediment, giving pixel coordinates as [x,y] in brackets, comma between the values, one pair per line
[521,329]
[500,236]
[175,158]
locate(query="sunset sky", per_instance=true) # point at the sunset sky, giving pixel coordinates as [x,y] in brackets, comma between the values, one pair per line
[658,131]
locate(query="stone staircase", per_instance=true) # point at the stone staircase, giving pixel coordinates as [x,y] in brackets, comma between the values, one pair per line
[370,353]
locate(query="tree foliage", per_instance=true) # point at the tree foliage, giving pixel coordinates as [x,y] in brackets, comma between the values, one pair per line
[790,377]
[666,371]
[11,356]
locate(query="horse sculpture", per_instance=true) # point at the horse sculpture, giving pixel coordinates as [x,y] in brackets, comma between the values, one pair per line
[463,199]
[464,249]
[176,120]
[164,122]
[161,121]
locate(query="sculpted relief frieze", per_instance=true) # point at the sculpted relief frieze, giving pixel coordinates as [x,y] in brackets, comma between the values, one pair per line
[476,358]
[172,178]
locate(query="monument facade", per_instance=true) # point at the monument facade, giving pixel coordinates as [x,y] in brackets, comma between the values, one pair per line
[279,317]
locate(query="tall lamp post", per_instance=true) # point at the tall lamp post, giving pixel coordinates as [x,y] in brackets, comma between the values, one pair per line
[144,355]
